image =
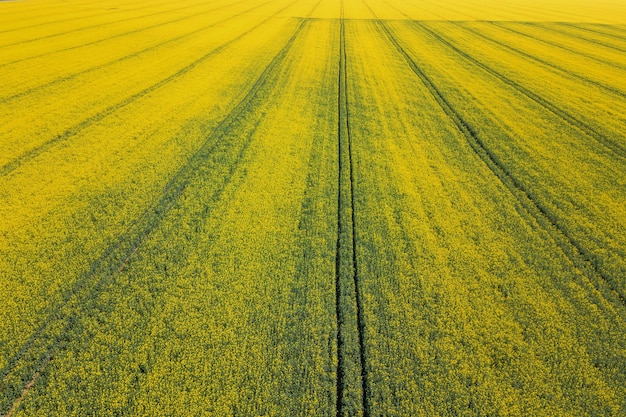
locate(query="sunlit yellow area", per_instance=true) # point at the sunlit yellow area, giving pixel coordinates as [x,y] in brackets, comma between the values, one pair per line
[312,208]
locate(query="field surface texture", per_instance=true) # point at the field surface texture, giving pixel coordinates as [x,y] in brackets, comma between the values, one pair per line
[312,208]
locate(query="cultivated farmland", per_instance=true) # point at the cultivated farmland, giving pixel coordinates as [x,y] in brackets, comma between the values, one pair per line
[312,207]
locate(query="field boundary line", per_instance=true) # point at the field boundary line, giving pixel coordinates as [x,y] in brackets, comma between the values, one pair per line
[128,244]
[74,130]
[578,256]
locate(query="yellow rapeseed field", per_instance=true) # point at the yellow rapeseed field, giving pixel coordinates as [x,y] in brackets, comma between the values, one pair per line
[312,207]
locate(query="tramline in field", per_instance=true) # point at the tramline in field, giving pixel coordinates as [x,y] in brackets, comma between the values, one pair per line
[312,207]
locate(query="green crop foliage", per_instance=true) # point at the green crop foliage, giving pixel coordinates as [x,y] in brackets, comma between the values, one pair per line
[312,207]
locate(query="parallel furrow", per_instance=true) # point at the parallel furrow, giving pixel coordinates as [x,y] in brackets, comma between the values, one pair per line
[352,395]
[577,254]
[55,35]
[553,67]
[616,148]
[395,8]
[135,54]
[599,32]
[64,20]
[72,131]
[118,255]
[572,35]
[357,284]
[120,35]
[557,45]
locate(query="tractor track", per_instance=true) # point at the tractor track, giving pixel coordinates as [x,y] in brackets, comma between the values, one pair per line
[617,149]
[578,255]
[64,20]
[555,68]
[74,130]
[573,35]
[599,32]
[54,35]
[574,252]
[557,45]
[135,54]
[117,257]
[352,394]
[120,35]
